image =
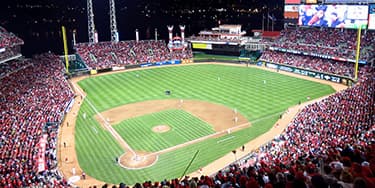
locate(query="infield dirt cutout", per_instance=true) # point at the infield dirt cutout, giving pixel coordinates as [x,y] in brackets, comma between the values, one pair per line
[221,118]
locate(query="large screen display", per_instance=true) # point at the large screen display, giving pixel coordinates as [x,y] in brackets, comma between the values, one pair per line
[371,17]
[336,16]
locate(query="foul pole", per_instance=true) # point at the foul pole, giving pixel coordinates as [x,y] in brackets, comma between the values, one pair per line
[357,53]
[188,166]
[65,50]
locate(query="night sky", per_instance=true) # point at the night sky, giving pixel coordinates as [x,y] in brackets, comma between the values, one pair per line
[38,22]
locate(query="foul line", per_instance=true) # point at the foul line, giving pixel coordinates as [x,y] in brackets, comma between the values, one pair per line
[225,139]
[107,125]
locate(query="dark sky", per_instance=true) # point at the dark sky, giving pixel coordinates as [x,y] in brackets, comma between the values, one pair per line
[39,22]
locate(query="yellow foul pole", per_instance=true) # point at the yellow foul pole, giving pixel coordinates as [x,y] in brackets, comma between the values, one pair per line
[65,50]
[357,53]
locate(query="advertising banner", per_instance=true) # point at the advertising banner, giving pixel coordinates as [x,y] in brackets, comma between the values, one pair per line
[309,73]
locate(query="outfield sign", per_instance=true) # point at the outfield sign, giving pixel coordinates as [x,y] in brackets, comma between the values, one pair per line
[319,75]
[172,62]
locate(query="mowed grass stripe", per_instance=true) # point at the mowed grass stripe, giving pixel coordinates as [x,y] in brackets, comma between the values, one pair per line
[137,132]
[239,87]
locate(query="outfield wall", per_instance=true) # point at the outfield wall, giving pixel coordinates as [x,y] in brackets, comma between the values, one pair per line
[315,74]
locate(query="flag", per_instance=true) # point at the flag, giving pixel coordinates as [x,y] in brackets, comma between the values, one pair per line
[269,16]
[273,18]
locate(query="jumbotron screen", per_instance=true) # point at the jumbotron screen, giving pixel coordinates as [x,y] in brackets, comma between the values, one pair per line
[335,16]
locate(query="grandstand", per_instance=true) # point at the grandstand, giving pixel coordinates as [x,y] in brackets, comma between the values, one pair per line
[105,55]
[327,50]
[35,96]
[9,46]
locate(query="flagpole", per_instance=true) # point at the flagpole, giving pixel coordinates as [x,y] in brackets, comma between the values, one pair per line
[268,21]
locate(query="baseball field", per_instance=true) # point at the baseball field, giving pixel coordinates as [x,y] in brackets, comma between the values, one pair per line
[129,129]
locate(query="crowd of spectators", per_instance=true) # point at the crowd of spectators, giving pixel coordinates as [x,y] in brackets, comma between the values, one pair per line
[8,39]
[10,53]
[31,97]
[108,54]
[328,41]
[311,63]
[9,67]
[9,45]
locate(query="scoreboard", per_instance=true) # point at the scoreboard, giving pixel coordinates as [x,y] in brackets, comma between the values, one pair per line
[349,14]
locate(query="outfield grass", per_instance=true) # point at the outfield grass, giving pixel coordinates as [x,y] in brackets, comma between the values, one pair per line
[236,87]
[184,127]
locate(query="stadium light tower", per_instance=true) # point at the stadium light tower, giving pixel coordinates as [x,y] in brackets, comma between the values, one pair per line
[113,23]
[90,18]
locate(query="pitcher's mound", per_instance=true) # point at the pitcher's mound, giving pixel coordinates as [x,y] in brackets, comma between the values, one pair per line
[161,128]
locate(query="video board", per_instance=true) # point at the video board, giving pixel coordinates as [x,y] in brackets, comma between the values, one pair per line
[335,16]
[371,17]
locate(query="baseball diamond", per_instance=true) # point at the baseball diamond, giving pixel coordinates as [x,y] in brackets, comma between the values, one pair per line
[125,129]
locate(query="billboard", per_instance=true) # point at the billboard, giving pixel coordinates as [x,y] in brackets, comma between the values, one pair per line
[371,17]
[335,16]
[292,1]
[291,11]
[202,46]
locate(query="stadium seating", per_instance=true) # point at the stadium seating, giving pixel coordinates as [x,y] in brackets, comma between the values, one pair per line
[31,97]
[8,39]
[107,54]
[311,63]
[327,41]
[9,45]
